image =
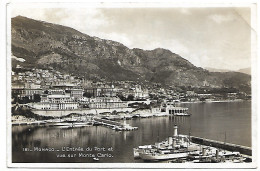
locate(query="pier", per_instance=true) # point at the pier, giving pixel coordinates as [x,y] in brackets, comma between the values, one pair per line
[118,126]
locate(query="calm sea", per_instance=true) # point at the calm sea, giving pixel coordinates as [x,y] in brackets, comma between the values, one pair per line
[208,120]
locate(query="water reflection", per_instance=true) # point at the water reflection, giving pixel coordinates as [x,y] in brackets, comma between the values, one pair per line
[207,120]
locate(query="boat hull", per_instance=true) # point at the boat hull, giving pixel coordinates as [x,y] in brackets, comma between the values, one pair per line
[154,157]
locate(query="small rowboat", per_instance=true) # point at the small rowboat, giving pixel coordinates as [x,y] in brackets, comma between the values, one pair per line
[96,159]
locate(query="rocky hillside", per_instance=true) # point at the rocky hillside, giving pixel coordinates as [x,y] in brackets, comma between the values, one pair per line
[46,45]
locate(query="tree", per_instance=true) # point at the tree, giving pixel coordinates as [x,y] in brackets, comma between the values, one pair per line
[114,112]
[130,97]
[14,97]
[24,100]
[37,98]
[120,96]
[203,99]
[87,94]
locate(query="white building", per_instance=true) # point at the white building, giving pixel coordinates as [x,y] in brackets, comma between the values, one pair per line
[107,103]
[56,100]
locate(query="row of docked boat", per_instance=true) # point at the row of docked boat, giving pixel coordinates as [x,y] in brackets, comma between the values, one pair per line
[130,128]
[180,149]
[170,110]
[130,116]
[181,114]
[28,122]
[71,124]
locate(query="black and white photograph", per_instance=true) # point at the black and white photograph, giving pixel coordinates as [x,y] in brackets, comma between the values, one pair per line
[131,85]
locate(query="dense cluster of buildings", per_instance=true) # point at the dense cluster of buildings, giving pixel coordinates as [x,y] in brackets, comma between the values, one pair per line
[57,91]
[52,90]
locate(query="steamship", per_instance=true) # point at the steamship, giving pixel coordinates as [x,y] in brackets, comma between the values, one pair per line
[179,147]
[172,147]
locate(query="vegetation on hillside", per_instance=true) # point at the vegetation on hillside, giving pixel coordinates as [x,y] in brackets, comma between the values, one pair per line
[45,45]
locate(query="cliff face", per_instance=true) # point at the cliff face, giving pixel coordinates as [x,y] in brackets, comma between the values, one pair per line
[67,50]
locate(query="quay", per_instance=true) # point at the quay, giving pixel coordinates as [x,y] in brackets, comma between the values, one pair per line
[222,145]
[118,126]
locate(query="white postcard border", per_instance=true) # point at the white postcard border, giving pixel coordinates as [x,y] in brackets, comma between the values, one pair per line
[255,82]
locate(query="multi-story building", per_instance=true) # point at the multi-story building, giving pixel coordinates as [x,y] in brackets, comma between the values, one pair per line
[56,100]
[98,92]
[54,106]
[106,103]
[27,92]
[76,93]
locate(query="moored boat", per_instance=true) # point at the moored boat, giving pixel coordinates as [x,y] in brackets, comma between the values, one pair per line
[172,148]
[141,149]
[96,159]
[164,155]
[181,114]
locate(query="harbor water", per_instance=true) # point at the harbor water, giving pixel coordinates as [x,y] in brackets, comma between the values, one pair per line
[224,121]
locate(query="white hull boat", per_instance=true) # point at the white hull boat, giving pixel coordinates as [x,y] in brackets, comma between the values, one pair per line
[158,156]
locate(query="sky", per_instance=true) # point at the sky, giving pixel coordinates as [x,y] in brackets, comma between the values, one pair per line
[207,37]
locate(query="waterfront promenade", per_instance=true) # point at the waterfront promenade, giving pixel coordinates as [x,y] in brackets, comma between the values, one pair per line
[59,113]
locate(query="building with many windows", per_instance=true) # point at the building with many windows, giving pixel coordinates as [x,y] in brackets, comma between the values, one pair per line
[106,103]
[54,106]
[56,100]
[76,93]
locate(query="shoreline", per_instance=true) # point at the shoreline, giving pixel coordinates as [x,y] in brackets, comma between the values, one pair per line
[216,101]
[122,113]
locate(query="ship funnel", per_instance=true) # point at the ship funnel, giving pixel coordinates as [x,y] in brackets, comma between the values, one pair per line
[174,143]
[175,134]
[170,140]
[175,131]
[217,153]
[203,151]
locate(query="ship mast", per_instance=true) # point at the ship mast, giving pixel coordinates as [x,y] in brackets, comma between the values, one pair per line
[225,141]
[158,136]
[189,133]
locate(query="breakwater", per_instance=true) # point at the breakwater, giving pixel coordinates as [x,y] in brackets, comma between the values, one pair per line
[218,144]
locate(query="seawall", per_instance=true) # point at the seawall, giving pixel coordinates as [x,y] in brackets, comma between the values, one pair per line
[222,145]
[58,113]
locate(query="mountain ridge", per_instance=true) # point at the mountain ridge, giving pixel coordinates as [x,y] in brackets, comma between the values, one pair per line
[45,45]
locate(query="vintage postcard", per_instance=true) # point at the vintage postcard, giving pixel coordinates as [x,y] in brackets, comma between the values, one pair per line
[131,85]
